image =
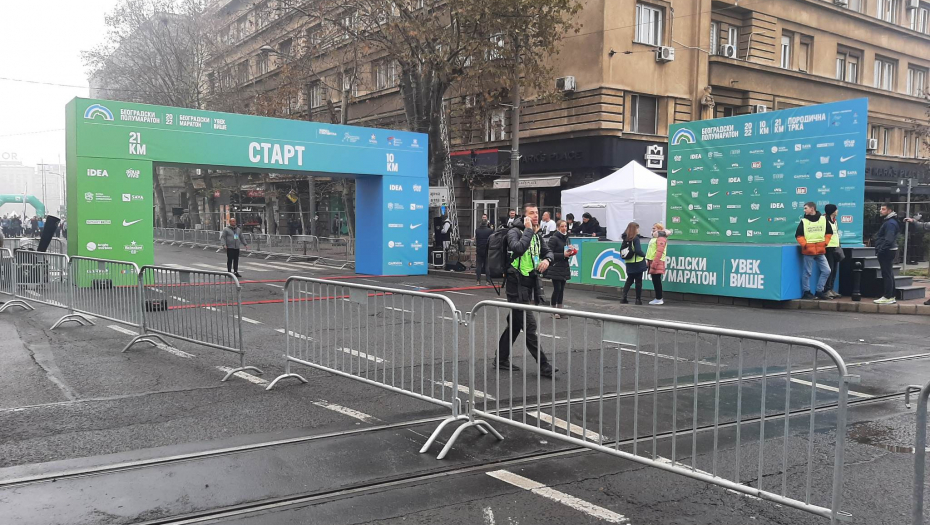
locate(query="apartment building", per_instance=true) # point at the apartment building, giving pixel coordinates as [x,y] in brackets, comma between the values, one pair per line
[634,68]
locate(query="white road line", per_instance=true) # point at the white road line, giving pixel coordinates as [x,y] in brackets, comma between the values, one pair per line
[464,390]
[559,497]
[444,317]
[363,355]
[667,461]
[830,388]
[862,343]
[274,285]
[549,335]
[410,286]
[396,309]
[295,335]
[180,299]
[663,356]
[169,349]
[271,266]
[252,321]
[459,293]
[561,423]
[361,416]
[489,516]
[243,375]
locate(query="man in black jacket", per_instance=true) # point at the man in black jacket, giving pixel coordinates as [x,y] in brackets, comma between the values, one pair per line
[589,225]
[533,257]
[886,246]
[482,234]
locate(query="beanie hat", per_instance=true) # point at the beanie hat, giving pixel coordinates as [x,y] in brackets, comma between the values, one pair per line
[829,209]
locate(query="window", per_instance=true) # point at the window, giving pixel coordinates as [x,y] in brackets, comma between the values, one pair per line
[804,53]
[314,38]
[261,63]
[385,74]
[888,10]
[262,14]
[847,64]
[733,38]
[786,39]
[316,94]
[495,126]
[284,49]
[729,111]
[648,25]
[855,5]
[714,37]
[242,72]
[907,140]
[920,19]
[886,140]
[643,114]
[242,28]
[884,73]
[349,23]
[350,83]
[916,81]
[497,44]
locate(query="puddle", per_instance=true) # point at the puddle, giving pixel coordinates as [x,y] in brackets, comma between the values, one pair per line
[878,436]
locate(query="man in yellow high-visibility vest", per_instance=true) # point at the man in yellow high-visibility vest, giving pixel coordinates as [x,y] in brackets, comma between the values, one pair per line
[814,234]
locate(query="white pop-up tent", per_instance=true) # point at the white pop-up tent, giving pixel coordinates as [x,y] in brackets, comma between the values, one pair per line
[632,193]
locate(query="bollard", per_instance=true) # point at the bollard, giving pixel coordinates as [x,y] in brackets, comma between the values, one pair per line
[856,282]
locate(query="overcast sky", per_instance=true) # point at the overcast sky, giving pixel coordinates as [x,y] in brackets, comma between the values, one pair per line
[42,42]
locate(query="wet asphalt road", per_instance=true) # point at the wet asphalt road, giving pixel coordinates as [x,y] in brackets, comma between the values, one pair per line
[69,400]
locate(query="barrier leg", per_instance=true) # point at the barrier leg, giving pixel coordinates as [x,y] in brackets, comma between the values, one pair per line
[16,302]
[287,373]
[80,319]
[242,368]
[477,423]
[146,338]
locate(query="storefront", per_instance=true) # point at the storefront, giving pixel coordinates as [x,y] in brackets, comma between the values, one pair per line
[886,182]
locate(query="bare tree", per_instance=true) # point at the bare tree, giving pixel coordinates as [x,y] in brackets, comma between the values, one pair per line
[154,52]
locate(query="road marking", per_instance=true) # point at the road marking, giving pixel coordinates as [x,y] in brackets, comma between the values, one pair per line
[274,285]
[396,309]
[295,334]
[243,375]
[221,268]
[663,356]
[464,390]
[446,318]
[559,497]
[857,342]
[253,321]
[361,416]
[667,461]
[179,299]
[460,293]
[561,423]
[489,516]
[830,388]
[169,349]
[273,266]
[549,335]
[363,355]
[179,267]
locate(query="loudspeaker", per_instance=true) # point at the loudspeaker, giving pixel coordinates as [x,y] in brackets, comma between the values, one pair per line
[51,226]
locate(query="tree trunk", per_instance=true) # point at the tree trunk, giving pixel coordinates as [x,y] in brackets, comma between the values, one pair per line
[348,200]
[311,204]
[160,200]
[192,205]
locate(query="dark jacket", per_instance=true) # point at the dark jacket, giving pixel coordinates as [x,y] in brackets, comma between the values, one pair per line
[812,248]
[591,228]
[559,270]
[886,239]
[636,267]
[481,239]
[574,228]
[519,287]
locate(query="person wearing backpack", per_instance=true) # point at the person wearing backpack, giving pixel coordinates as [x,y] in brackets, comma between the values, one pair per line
[632,252]
[530,257]
[655,259]
[559,270]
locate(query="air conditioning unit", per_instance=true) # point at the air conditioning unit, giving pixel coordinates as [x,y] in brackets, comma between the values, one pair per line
[728,50]
[565,84]
[842,3]
[873,145]
[759,108]
[913,4]
[665,54]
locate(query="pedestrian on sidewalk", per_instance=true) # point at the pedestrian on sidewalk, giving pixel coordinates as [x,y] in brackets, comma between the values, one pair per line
[559,271]
[813,234]
[482,235]
[835,254]
[655,259]
[232,241]
[923,226]
[886,248]
[533,257]
[632,252]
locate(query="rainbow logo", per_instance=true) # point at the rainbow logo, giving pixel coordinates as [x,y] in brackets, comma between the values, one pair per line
[96,109]
[608,261]
[683,135]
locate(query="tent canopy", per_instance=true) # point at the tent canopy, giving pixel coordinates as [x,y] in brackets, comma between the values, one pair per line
[632,193]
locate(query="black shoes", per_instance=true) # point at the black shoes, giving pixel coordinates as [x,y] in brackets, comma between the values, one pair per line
[822,297]
[505,366]
[547,372]
[624,301]
[807,296]
[237,274]
[639,302]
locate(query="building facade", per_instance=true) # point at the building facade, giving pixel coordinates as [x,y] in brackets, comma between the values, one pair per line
[634,68]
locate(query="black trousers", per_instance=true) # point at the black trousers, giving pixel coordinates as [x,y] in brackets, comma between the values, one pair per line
[558,291]
[657,285]
[514,326]
[481,264]
[232,259]
[630,279]
[834,261]
[886,260]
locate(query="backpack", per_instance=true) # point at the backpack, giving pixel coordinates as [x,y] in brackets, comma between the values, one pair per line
[499,257]
[627,251]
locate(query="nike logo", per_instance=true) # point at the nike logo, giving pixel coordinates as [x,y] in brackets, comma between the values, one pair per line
[676,171]
[415,226]
[754,220]
[844,159]
[713,194]
[130,223]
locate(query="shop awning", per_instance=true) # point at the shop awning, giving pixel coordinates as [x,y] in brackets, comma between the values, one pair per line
[531,182]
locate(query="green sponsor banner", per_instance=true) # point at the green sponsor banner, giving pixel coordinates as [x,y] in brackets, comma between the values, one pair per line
[756,271]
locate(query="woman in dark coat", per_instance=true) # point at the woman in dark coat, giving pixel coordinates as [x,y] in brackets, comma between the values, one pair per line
[632,252]
[482,235]
[559,270]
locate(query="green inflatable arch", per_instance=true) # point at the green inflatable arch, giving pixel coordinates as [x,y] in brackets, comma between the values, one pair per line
[19,199]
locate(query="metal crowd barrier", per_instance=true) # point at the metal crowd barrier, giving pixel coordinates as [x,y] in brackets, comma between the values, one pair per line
[920,450]
[401,341]
[199,307]
[15,243]
[8,282]
[650,391]
[43,277]
[105,289]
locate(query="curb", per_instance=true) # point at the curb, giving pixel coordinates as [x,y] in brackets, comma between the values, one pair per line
[864,307]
